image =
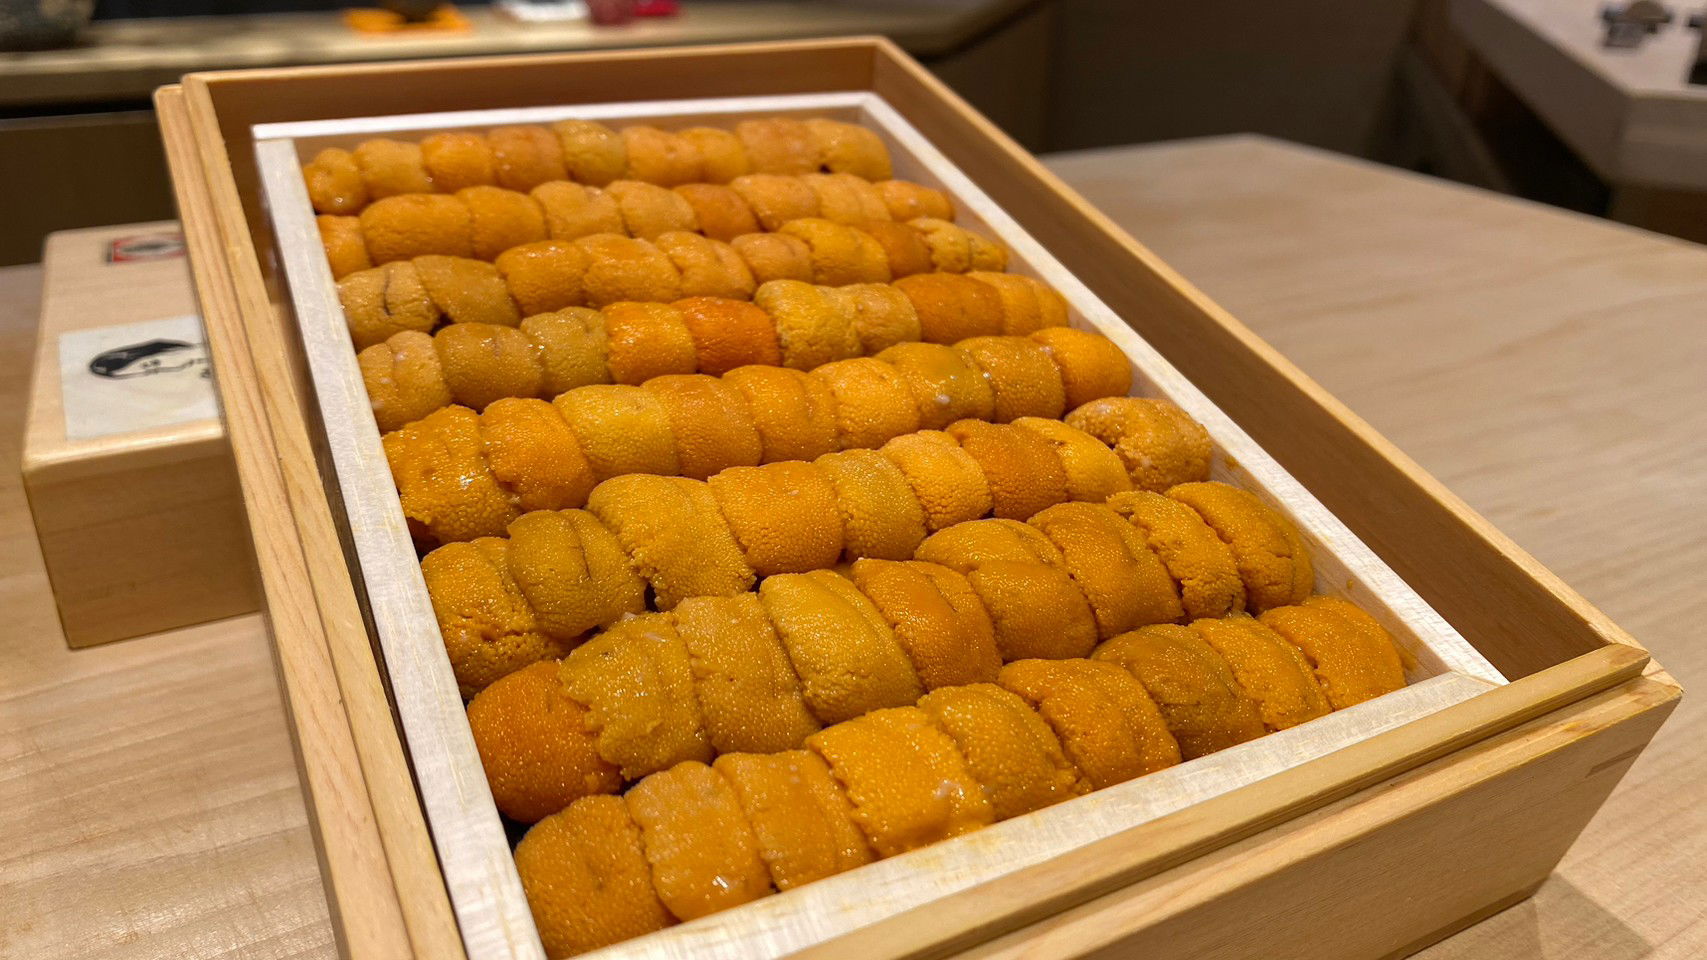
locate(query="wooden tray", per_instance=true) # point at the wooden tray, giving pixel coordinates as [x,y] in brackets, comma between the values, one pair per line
[1576,677]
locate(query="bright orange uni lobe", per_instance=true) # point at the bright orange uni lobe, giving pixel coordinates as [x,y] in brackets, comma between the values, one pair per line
[534,455]
[573,572]
[1270,553]
[1094,472]
[1107,724]
[1126,583]
[637,685]
[908,781]
[1009,749]
[1354,658]
[1021,467]
[795,414]
[537,755]
[413,224]
[800,815]
[500,219]
[746,686]
[1091,366]
[1160,444]
[1269,670]
[703,853]
[543,276]
[488,629]
[1025,381]
[783,515]
[946,385]
[675,536]
[937,618]
[587,880]
[873,402]
[709,419]
[646,340]
[847,658]
[525,156]
[621,429]
[952,308]
[1199,561]
[446,488]
[947,480]
[881,516]
[1203,705]
[729,333]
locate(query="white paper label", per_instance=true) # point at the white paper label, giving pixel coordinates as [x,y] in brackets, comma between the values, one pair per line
[135,376]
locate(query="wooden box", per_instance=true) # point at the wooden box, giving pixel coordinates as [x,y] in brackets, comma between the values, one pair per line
[129,476]
[1452,814]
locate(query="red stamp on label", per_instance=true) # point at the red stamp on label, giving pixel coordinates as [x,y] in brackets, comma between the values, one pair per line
[146,246]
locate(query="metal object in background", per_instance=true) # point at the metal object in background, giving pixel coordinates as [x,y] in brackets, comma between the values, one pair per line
[41,24]
[1629,24]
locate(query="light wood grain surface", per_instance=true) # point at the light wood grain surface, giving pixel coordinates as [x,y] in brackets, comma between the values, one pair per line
[1546,366]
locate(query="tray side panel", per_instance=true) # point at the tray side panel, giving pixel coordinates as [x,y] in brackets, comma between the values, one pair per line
[1386,872]
[1521,616]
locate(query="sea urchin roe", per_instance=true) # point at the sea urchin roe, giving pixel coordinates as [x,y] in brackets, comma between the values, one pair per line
[488,628]
[703,853]
[776,200]
[946,385]
[1019,576]
[952,308]
[674,535]
[774,256]
[907,780]
[783,515]
[949,484]
[335,182]
[748,692]
[1160,444]
[849,149]
[468,291]
[840,254]
[403,379]
[1125,582]
[799,814]
[708,268]
[646,340]
[710,422]
[446,488]
[622,429]
[534,455]
[624,269]
[1093,471]
[1021,467]
[573,211]
[1269,670]
[537,754]
[1091,366]
[881,517]
[586,878]
[729,333]
[637,684]
[384,301]
[346,250]
[1009,749]
[873,402]
[457,159]
[483,362]
[592,152]
[1108,726]
[525,156]
[1354,658]
[1200,563]
[908,201]
[415,224]
[543,276]
[499,219]
[812,329]
[847,658]
[936,617]
[882,315]
[573,572]
[1203,705]
[1024,380]
[795,414]
[1266,546]
[571,345]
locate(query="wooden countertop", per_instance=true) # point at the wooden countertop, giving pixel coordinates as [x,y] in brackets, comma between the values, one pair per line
[1545,365]
[127,59]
